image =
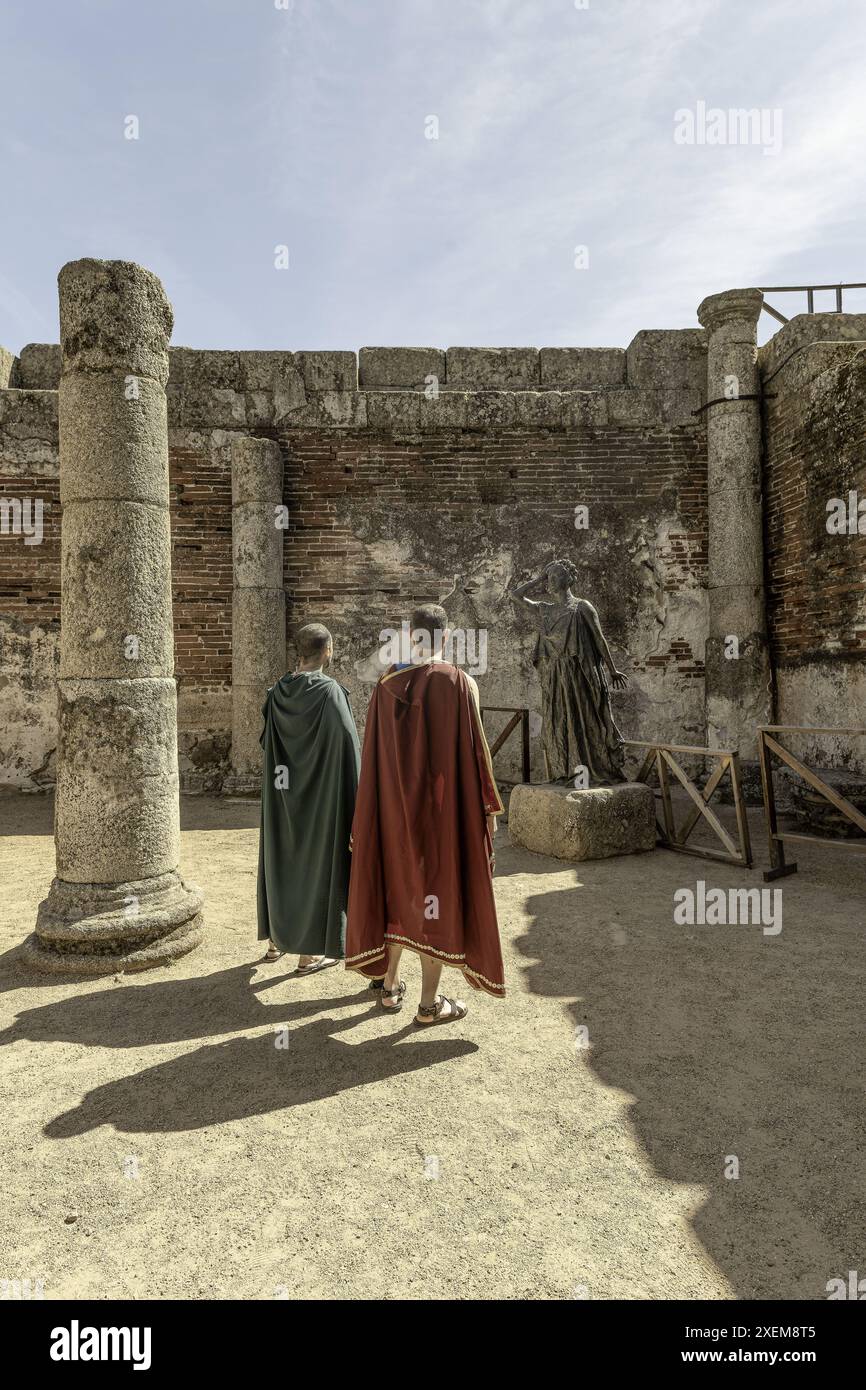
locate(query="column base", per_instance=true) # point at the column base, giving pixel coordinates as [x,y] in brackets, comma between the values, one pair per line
[107,928]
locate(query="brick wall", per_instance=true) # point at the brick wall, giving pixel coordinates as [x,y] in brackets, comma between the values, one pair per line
[815,433]
[442,499]
[201,559]
[815,451]
[201,530]
[30,574]
[378,524]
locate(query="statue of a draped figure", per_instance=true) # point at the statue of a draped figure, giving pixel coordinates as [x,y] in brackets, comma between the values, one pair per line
[573,662]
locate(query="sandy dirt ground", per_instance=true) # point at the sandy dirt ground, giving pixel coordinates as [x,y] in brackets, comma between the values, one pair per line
[158,1143]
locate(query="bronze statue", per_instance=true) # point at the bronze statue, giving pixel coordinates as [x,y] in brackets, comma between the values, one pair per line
[570,655]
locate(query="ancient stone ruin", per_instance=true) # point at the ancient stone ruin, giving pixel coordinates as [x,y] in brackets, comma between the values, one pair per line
[221,499]
[118,901]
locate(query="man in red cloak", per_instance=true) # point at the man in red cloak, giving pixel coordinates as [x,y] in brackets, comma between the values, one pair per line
[422,835]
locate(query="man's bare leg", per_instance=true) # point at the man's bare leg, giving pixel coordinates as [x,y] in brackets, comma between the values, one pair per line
[431,974]
[392,976]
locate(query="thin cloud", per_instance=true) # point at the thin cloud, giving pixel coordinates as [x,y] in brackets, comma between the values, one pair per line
[306,127]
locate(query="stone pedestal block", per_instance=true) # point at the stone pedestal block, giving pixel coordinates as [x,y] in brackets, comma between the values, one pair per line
[594,824]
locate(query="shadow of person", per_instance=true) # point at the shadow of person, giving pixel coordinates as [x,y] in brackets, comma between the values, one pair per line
[15,975]
[733,1045]
[173,1010]
[241,1077]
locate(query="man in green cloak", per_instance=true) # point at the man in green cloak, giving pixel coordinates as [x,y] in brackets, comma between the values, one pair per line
[309,780]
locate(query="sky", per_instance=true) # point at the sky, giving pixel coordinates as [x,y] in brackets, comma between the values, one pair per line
[566,199]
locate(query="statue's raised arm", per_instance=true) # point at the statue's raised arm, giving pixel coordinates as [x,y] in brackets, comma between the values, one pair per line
[519,593]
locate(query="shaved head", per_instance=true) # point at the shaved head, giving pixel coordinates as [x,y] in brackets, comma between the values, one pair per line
[314,643]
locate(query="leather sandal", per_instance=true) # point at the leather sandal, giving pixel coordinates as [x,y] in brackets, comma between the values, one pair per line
[434,1012]
[393,994]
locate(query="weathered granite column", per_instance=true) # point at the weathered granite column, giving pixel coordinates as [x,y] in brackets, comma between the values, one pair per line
[738,695]
[118,901]
[258,599]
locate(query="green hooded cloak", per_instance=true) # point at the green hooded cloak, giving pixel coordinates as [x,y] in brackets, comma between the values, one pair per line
[309,781]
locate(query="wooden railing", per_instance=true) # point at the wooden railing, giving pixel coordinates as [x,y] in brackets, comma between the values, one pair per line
[767,745]
[661,758]
[518,716]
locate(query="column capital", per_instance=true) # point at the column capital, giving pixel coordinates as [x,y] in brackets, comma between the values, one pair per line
[731,306]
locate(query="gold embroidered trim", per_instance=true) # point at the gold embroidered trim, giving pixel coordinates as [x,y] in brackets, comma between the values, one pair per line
[364,954]
[485,985]
[376,951]
[499,809]
[429,950]
[467,971]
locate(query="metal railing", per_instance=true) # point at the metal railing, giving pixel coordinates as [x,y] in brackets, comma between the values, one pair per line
[809,291]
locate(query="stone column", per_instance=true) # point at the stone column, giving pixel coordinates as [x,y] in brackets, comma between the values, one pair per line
[258,599]
[118,901]
[738,695]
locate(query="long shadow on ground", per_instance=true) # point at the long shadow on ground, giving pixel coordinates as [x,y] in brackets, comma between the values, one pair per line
[731,1043]
[174,1010]
[250,1076]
